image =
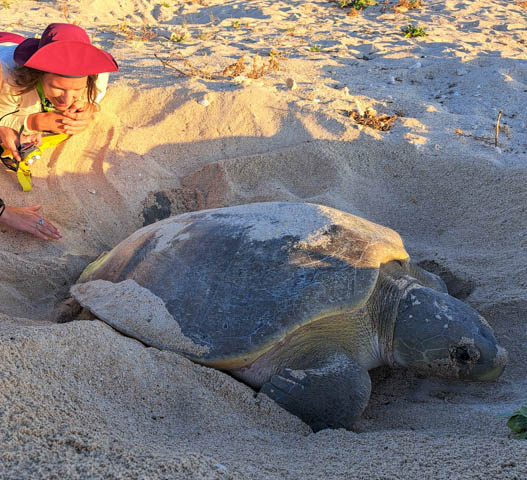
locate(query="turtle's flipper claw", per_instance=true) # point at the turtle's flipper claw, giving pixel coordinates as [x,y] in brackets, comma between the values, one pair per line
[332,394]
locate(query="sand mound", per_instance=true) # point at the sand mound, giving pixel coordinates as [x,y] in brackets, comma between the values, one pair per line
[84,408]
[81,401]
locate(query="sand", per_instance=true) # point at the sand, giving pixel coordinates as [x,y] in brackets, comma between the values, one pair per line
[79,400]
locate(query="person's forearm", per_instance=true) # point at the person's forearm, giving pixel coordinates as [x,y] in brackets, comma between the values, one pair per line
[29,219]
[45,122]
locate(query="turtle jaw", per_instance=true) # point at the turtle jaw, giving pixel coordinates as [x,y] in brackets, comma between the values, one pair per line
[442,336]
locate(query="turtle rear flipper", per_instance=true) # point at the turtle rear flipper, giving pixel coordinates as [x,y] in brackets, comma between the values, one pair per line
[331,394]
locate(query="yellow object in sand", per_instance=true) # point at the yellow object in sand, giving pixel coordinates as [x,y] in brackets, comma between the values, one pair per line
[29,153]
[23,174]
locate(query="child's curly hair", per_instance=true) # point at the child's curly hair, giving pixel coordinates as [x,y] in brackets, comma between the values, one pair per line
[26,79]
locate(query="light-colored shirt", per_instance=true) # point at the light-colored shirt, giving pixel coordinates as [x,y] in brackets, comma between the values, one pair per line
[15,108]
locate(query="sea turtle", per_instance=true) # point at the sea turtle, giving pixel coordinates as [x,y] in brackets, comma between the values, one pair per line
[295,299]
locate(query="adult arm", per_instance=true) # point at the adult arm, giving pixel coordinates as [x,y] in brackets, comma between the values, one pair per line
[27,219]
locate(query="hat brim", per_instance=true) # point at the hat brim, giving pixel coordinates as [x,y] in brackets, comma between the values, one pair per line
[8,37]
[24,50]
[64,58]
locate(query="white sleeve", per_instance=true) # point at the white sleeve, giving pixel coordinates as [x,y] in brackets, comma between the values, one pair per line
[6,54]
[101,84]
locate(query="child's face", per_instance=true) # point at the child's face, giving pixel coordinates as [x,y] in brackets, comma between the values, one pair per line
[63,91]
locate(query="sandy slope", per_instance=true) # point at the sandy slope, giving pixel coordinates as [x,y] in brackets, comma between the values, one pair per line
[81,401]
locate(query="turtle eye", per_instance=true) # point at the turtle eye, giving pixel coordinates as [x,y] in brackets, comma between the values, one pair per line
[464,354]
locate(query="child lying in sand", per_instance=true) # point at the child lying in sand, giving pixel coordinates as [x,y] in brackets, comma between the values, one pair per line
[49,84]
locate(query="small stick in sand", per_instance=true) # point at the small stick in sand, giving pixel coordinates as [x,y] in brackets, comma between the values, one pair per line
[497,128]
[193,71]
[167,64]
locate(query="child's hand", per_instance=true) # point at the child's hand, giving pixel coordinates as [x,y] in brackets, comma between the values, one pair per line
[78,116]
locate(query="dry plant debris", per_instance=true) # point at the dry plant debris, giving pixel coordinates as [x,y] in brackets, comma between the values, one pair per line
[65,13]
[404,5]
[259,67]
[521,3]
[235,69]
[187,70]
[370,119]
[498,128]
[145,34]
[276,54]
[258,70]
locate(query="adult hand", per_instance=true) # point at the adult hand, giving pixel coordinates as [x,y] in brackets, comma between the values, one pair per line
[28,220]
[9,139]
[78,116]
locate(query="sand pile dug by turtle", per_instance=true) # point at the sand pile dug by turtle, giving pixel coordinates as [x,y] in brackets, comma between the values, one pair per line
[79,400]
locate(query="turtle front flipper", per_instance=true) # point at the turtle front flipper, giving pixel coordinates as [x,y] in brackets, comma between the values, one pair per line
[330,394]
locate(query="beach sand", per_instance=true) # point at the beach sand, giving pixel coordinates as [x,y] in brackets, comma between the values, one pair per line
[80,401]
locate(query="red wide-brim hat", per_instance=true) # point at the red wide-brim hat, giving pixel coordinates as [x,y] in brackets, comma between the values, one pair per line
[8,37]
[64,49]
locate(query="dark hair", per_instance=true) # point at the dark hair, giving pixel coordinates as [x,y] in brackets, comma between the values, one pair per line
[26,79]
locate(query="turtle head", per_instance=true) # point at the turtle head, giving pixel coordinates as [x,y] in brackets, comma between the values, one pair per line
[440,335]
